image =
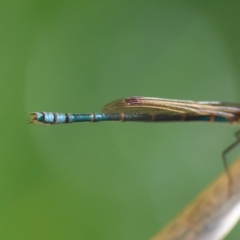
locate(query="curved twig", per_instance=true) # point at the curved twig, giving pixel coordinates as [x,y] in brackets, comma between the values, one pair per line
[211,215]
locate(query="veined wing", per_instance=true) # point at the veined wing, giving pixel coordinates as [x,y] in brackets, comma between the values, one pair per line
[172,107]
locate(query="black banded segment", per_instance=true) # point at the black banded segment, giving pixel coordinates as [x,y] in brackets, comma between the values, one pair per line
[43,117]
[55,118]
[67,118]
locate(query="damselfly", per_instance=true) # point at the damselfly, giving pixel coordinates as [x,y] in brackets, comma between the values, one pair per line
[147,109]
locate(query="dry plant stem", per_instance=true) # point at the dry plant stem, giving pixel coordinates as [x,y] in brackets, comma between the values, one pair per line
[212,214]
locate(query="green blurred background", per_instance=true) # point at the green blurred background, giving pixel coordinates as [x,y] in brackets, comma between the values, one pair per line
[110,180]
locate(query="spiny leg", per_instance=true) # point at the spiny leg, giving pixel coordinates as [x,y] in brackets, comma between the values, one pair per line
[225,162]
